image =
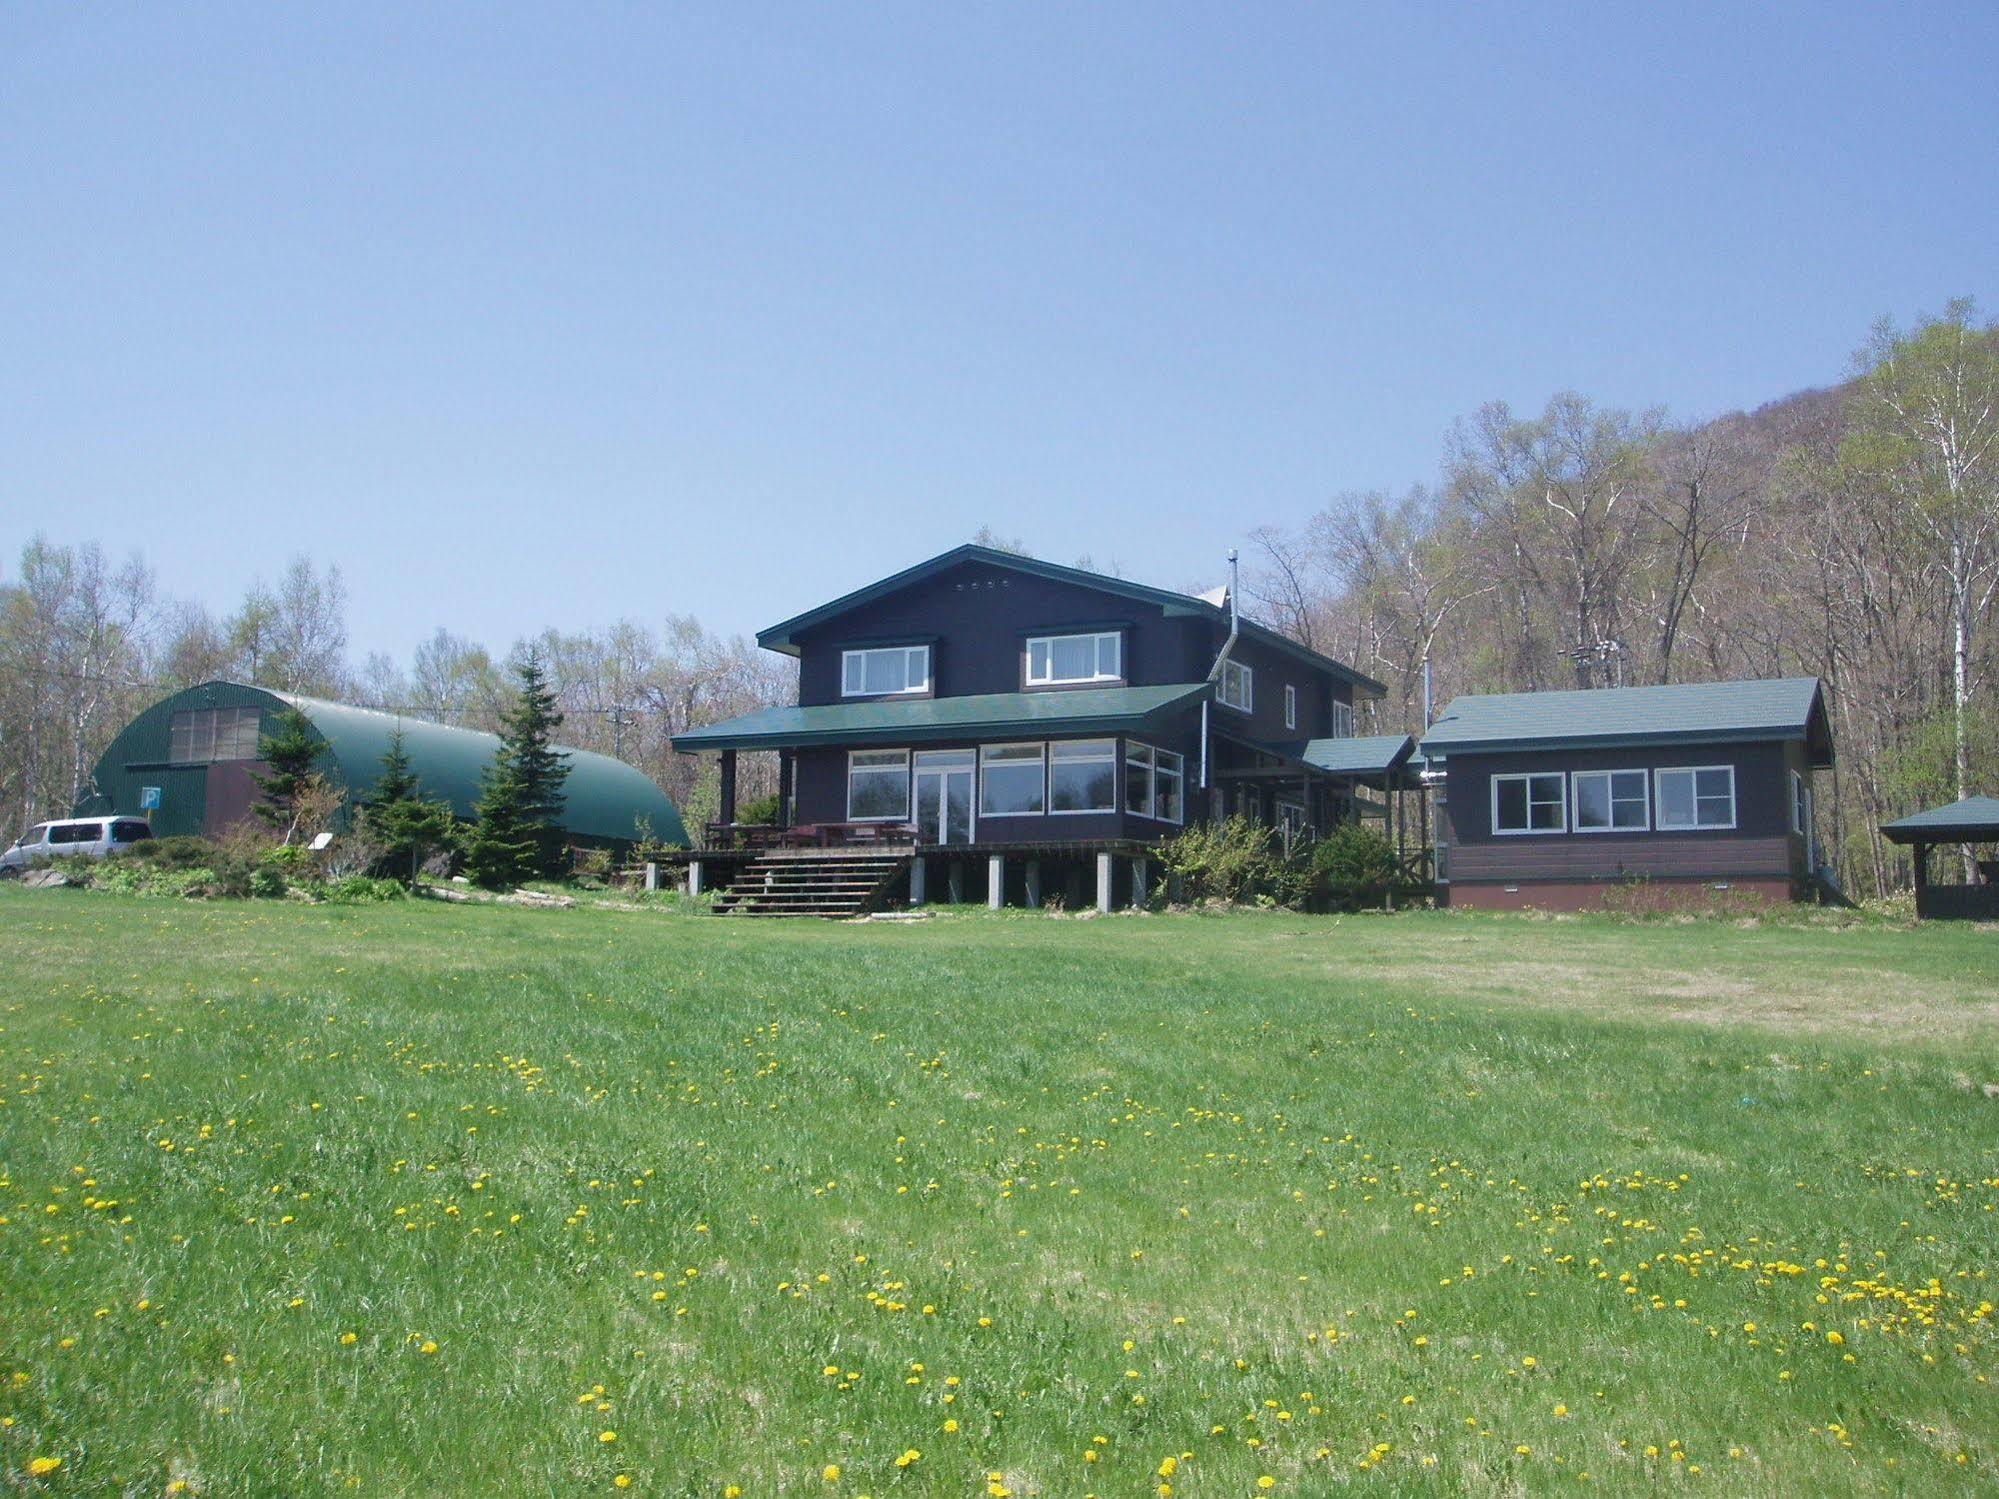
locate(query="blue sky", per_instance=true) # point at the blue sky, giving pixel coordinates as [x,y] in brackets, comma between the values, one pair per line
[548,315]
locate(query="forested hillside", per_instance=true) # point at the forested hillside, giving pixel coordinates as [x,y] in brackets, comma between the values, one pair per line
[1850,533]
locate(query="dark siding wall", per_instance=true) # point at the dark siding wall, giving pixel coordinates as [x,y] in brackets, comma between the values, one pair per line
[1274,670]
[977,618]
[821,781]
[1761,843]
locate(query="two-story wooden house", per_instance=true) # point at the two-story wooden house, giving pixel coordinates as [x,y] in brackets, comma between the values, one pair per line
[983,702]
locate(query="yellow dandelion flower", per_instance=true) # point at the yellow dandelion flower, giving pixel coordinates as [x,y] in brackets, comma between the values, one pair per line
[831,1472]
[41,1467]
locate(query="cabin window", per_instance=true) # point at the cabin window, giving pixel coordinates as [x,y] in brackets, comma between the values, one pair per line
[1801,807]
[1237,688]
[878,786]
[1012,782]
[1529,803]
[1342,720]
[1290,706]
[1611,801]
[1057,660]
[200,736]
[1696,796]
[1082,775]
[885,672]
[1154,782]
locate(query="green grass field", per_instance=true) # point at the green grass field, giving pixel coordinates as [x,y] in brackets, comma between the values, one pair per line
[429,1199]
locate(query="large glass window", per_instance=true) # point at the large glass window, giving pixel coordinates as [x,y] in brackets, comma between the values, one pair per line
[198,736]
[1696,796]
[1154,782]
[1237,687]
[1528,804]
[1611,801]
[885,672]
[1012,782]
[878,786]
[1082,775]
[1056,659]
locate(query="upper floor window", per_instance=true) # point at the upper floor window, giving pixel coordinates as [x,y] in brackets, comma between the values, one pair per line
[1530,803]
[198,736]
[1696,796]
[1610,801]
[886,671]
[1342,720]
[1237,688]
[1290,706]
[1055,660]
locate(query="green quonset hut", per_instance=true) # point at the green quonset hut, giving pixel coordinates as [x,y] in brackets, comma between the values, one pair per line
[186,764]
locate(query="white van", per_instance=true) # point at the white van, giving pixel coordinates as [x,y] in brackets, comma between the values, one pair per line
[91,837]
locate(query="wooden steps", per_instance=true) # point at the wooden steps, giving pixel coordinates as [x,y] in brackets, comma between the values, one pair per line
[842,884]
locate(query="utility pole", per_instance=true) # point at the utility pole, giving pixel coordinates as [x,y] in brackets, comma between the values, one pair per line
[620,715]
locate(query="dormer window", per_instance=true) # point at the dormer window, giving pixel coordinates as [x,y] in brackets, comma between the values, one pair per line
[1237,688]
[1065,660]
[890,671]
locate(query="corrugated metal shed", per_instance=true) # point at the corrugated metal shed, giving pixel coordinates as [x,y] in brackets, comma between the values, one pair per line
[1691,712]
[603,798]
[928,720]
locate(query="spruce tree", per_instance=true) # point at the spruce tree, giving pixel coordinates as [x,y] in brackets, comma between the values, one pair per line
[409,826]
[290,749]
[515,835]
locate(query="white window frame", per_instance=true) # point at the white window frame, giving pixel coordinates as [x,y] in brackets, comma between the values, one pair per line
[1798,813]
[1146,759]
[1561,803]
[1040,748]
[1696,826]
[1109,756]
[1290,706]
[862,652]
[1048,677]
[1342,719]
[1577,777]
[1244,680]
[908,785]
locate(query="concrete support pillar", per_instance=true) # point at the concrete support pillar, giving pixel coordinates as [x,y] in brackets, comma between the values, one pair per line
[995,881]
[1141,876]
[693,876]
[652,877]
[1104,871]
[917,894]
[1034,884]
[954,880]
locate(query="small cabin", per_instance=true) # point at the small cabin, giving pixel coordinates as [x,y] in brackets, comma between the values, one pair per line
[1554,799]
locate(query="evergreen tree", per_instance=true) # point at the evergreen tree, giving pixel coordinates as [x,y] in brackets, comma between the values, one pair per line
[290,749]
[514,835]
[410,827]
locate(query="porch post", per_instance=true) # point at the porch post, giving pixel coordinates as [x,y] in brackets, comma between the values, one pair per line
[1104,883]
[916,892]
[728,786]
[1034,884]
[784,773]
[1141,876]
[995,881]
[1922,861]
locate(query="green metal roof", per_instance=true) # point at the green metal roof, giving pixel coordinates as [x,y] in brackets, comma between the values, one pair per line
[1973,820]
[602,797]
[1691,712]
[1366,756]
[928,720]
[783,636]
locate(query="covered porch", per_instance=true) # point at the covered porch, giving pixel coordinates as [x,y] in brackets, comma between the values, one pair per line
[1304,787]
[1972,824]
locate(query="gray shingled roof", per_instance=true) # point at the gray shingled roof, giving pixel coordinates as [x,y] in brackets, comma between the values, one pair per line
[1973,820]
[1691,712]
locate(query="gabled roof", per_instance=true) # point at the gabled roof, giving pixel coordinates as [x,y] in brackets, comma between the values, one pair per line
[782,636]
[1973,820]
[1368,757]
[900,721]
[1690,712]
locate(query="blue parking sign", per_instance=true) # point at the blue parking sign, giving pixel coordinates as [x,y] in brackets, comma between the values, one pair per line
[149,798]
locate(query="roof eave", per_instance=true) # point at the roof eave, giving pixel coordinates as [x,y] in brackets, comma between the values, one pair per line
[1442,749]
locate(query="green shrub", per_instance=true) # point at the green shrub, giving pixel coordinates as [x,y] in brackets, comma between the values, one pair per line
[1352,866]
[360,890]
[1239,861]
[758,809]
[184,851]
